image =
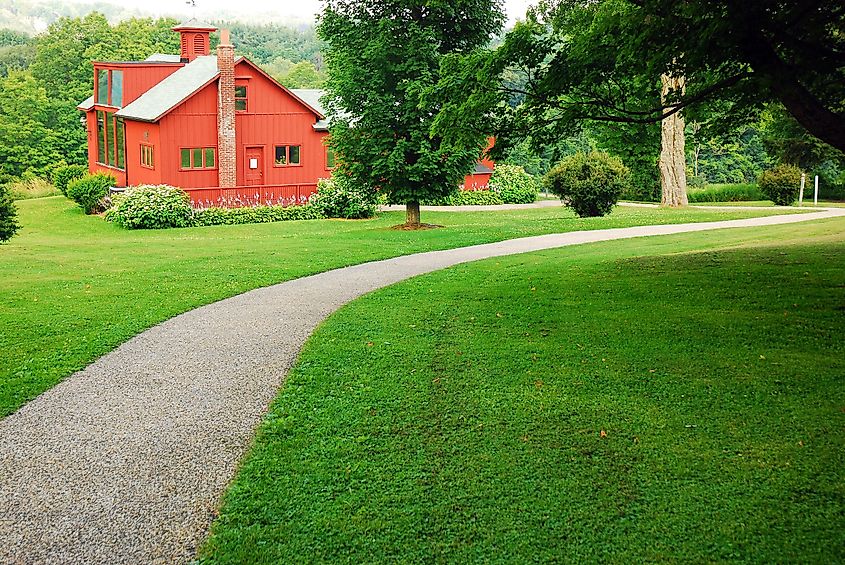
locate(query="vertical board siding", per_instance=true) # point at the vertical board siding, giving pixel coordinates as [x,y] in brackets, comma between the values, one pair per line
[136,134]
[275,117]
[192,124]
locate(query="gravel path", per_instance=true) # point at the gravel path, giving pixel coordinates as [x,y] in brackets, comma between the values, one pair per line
[125,461]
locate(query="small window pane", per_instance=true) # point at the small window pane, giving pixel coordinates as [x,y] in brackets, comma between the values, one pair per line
[110,139]
[186,158]
[281,155]
[240,92]
[209,157]
[120,134]
[196,158]
[329,158]
[293,154]
[117,88]
[101,137]
[102,86]
[240,104]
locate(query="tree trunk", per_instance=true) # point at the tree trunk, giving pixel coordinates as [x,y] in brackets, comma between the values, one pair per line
[673,177]
[412,214]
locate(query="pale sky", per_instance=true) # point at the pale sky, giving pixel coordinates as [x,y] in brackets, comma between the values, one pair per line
[255,10]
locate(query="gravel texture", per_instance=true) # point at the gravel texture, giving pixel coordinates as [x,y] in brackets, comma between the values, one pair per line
[126,460]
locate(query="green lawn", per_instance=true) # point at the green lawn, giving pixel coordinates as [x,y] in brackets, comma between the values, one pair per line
[673,399]
[74,287]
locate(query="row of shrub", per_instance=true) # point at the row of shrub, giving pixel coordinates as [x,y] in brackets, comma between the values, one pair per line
[725,193]
[509,184]
[163,206]
[467,198]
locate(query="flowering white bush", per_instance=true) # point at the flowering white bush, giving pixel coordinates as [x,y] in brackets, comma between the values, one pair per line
[336,199]
[152,207]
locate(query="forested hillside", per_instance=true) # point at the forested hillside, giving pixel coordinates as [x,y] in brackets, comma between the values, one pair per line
[44,76]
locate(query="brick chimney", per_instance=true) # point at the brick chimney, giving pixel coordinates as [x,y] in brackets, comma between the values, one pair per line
[195,41]
[226,151]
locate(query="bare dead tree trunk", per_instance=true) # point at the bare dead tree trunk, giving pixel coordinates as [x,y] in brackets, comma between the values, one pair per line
[673,177]
[412,214]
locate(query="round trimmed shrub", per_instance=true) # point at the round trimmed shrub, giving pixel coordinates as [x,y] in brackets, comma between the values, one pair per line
[8,215]
[781,184]
[152,207]
[589,183]
[67,173]
[335,198]
[514,185]
[89,191]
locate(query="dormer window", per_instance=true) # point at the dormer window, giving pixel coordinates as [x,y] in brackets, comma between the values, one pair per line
[110,87]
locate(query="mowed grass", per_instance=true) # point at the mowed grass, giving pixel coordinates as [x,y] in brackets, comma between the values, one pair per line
[74,287]
[672,399]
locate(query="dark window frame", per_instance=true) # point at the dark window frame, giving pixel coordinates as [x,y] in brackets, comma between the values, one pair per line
[242,99]
[287,150]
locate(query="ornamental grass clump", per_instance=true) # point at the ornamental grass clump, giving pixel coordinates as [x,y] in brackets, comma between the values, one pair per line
[90,190]
[514,185]
[336,198]
[589,183]
[152,207]
[781,184]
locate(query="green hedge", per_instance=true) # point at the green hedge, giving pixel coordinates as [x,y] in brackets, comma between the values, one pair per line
[254,215]
[467,198]
[725,193]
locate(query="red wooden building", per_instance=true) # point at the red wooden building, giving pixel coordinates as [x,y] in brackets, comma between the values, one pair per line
[215,125]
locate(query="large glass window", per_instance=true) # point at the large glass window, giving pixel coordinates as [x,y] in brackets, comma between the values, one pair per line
[111,140]
[284,155]
[330,158]
[102,86]
[120,143]
[101,136]
[117,88]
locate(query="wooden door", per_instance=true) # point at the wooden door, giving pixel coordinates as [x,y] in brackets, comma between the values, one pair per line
[254,166]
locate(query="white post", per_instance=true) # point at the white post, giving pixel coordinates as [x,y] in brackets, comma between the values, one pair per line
[816,192]
[801,192]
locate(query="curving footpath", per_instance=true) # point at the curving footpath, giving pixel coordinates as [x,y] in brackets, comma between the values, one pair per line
[126,460]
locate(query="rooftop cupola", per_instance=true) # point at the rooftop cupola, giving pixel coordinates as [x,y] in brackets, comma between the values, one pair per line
[195,39]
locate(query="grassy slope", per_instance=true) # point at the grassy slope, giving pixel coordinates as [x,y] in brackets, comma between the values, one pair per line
[74,287]
[457,417]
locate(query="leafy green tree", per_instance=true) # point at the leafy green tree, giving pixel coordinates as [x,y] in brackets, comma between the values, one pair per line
[384,60]
[30,142]
[601,62]
[303,75]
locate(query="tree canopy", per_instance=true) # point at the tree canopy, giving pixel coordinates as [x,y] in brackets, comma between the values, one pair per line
[384,61]
[601,61]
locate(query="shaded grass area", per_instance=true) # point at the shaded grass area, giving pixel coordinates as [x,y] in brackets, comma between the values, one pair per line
[73,287]
[662,399]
